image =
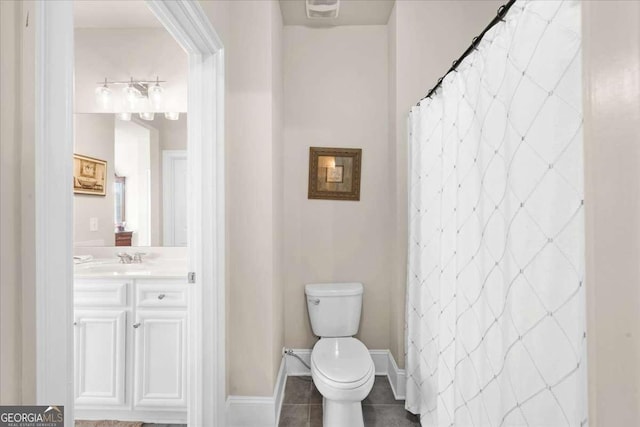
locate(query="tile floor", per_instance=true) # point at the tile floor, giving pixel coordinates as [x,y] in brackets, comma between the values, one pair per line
[302,406]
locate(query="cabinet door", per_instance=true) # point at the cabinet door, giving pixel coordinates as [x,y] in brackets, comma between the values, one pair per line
[160,359]
[100,357]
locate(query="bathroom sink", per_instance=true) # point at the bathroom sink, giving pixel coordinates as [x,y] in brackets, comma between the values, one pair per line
[115,268]
[111,268]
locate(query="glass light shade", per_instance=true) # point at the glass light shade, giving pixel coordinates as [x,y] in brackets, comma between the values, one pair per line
[147,115]
[172,115]
[125,116]
[155,96]
[103,97]
[131,95]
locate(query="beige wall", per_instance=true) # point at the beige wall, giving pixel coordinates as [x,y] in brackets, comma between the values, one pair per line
[122,53]
[17,273]
[10,378]
[611,63]
[94,137]
[172,133]
[277,177]
[250,31]
[335,91]
[425,37]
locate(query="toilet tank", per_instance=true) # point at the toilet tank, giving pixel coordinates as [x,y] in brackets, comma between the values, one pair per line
[334,308]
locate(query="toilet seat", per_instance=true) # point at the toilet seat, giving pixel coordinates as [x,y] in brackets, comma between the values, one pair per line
[342,363]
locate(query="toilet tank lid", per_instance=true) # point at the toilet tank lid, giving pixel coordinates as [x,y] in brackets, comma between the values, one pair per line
[333,289]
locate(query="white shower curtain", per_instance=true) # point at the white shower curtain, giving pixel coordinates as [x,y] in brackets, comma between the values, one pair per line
[495,290]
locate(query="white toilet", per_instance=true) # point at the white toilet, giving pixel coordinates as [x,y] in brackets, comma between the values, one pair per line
[341,366]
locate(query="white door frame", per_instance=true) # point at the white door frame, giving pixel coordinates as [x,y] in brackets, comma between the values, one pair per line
[168,202]
[189,25]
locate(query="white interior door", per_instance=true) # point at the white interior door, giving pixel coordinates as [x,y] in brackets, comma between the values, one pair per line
[100,356]
[174,200]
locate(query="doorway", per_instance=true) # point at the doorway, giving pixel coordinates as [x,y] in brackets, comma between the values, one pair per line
[174,172]
[189,25]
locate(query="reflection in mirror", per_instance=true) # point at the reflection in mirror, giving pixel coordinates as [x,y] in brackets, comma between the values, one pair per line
[119,188]
[145,200]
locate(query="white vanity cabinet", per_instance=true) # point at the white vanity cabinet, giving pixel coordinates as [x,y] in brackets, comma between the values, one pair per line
[100,318]
[160,353]
[131,349]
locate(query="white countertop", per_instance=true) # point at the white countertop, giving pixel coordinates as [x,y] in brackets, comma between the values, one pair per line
[112,269]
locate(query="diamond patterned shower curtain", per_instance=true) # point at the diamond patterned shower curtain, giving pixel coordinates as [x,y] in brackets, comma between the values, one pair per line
[495,293]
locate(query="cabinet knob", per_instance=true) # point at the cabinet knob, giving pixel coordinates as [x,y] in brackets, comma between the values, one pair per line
[137,325]
[75,323]
[161,296]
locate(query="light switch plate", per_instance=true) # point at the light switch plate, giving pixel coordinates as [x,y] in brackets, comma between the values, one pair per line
[93,224]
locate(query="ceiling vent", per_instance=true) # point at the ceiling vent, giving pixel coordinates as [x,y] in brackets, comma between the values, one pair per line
[325,9]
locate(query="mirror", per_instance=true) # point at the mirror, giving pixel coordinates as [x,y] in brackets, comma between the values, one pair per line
[142,196]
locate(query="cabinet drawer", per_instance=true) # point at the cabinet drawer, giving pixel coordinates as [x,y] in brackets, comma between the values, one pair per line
[173,294]
[95,293]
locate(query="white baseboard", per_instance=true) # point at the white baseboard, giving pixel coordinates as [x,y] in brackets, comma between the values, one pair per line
[257,411]
[294,366]
[397,378]
[382,359]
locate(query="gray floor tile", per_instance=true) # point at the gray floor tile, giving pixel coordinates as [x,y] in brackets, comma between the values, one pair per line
[381,393]
[315,416]
[302,406]
[388,416]
[294,416]
[297,390]
[316,397]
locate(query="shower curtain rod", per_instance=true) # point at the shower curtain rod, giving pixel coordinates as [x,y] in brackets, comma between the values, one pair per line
[502,11]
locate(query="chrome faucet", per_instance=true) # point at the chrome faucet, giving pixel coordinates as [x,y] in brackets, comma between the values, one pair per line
[125,258]
[137,257]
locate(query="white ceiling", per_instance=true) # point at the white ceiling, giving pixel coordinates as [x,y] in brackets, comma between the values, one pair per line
[352,12]
[113,14]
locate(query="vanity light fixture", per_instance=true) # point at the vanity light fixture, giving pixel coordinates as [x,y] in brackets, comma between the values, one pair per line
[145,97]
[134,91]
[103,95]
[155,95]
[131,95]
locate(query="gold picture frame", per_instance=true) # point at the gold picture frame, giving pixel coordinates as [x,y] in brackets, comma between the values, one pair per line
[89,175]
[334,173]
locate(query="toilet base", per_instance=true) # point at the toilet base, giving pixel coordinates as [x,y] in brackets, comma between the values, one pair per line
[337,413]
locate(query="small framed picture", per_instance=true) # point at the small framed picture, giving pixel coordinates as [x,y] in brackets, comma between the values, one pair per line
[334,173]
[89,175]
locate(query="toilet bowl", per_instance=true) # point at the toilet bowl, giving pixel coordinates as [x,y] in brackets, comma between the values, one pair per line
[343,373]
[341,366]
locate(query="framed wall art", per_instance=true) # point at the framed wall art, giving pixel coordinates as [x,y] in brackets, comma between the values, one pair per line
[334,173]
[89,175]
